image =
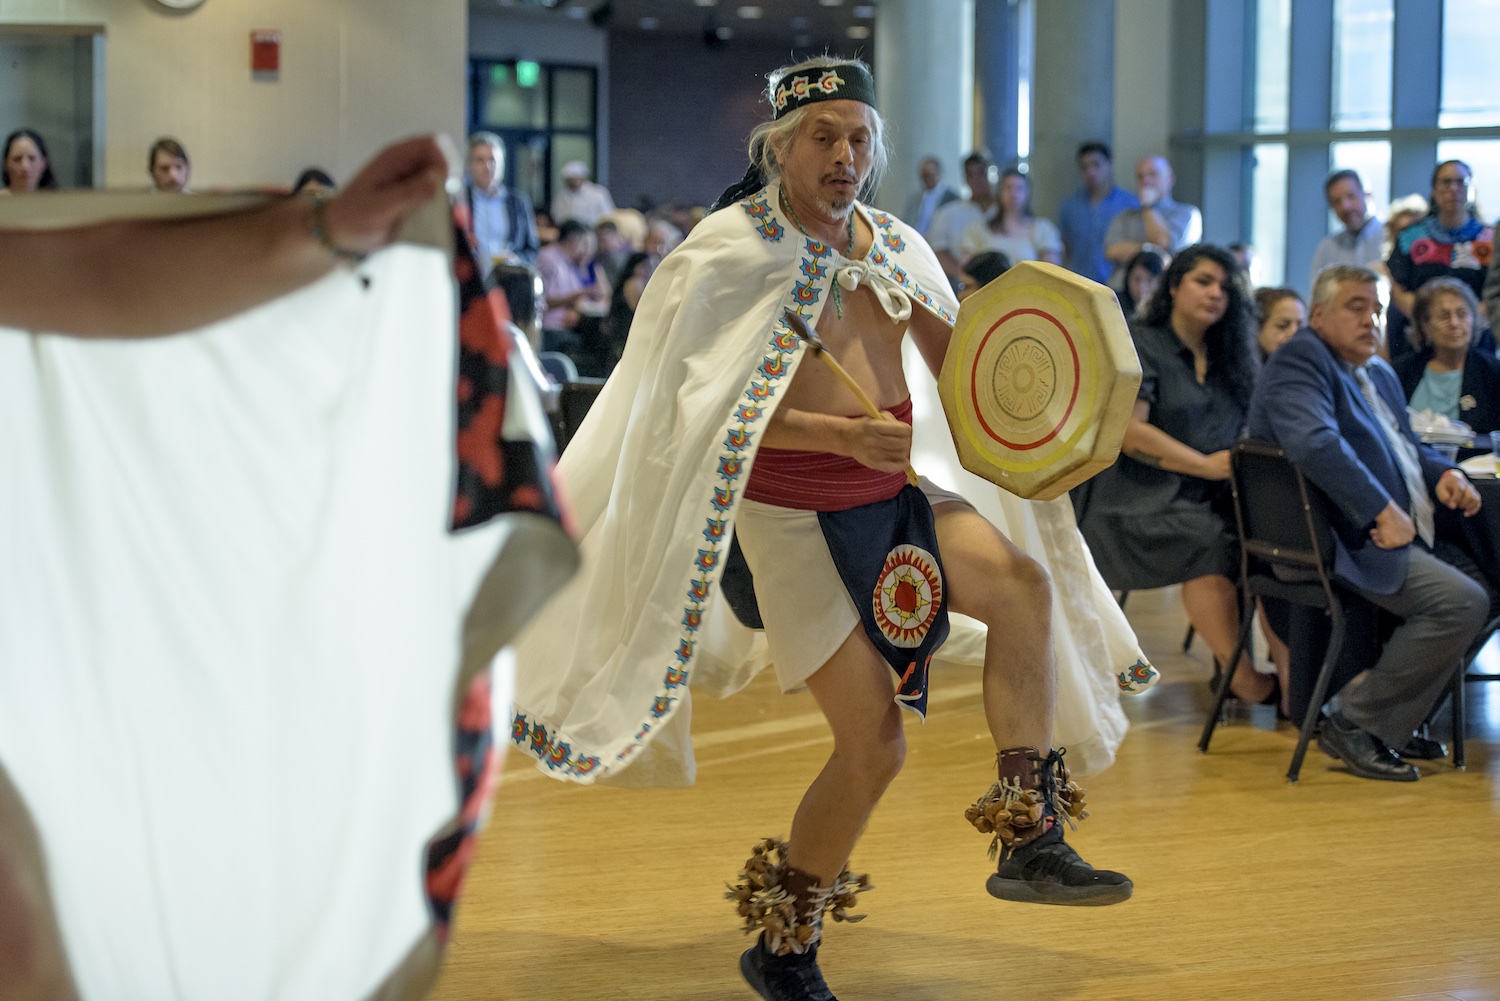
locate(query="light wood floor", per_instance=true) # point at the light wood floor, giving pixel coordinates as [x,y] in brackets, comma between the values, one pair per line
[1245,887]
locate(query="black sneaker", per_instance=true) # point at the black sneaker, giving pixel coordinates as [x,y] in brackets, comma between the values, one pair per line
[791,977]
[1049,871]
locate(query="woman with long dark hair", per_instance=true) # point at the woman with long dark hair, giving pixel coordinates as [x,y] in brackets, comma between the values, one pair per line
[1160,514]
[25,166]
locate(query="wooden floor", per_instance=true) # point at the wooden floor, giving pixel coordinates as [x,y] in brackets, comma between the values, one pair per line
[1245,887]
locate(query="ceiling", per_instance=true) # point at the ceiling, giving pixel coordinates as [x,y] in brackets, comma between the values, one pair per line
[800,24]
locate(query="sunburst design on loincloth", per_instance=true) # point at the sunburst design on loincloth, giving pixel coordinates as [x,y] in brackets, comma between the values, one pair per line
[908,597]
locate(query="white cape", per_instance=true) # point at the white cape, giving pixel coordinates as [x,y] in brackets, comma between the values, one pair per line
[231,634]
[655,474]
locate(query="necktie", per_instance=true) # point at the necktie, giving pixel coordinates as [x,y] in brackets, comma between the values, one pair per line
[1406,456]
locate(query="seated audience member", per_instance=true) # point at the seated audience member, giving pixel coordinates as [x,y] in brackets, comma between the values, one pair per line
[313,179]
[24,166]
[1160,514]
[662,237]
[579,197]
[626,297]
[945,235]
[571,293]
[1249,260]
[1159,224]
[167,163]
[1011,228]
[1279,313]
[1141,276]
[546,228]
[632,226]
[1360,240]
[1450,241]
[1084,216]
[1338,411]
[611,249]
[1492,294]
[1446,374]
[933,195]
[980,270]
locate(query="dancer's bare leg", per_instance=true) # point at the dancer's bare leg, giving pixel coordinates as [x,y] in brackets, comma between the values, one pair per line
[856,691]
[989,579]
[32,963]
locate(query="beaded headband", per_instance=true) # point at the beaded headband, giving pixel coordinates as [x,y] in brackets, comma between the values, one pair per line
[840,82]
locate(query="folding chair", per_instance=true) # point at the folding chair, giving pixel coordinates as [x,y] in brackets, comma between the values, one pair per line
[1281,523]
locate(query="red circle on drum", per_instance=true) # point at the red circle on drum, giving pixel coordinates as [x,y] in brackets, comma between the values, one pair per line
[974,381]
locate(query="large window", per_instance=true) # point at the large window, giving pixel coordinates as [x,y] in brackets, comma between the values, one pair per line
[1319,95]
[1471,48]
[1273,64]
[1363,42]
[547,116]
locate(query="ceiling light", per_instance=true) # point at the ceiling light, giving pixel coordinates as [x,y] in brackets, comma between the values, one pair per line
[864,10]
[831,3]
[706,3]
[858,31]
[750,13]
[649,23]
[724,33]
[799,23]
[578,13]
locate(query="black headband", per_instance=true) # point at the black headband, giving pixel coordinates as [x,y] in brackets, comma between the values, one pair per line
[839,82]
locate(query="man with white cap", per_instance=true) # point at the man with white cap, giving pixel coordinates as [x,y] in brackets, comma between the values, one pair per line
[580,197]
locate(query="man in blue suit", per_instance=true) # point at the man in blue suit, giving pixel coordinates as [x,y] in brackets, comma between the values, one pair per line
[1339,413]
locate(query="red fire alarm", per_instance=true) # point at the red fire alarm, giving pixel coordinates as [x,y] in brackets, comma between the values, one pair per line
[265,51]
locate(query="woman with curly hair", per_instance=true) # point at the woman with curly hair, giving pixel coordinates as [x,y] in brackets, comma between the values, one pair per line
[1160,515]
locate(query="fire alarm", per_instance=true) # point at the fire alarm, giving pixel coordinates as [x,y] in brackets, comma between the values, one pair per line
[265,51]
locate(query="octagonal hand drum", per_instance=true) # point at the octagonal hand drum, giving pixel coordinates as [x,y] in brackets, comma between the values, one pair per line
[1039,380]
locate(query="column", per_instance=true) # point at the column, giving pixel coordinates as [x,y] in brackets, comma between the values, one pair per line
[1074,86]
[924,82]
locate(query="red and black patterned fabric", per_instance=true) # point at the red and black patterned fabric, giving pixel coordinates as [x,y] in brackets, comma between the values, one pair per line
[505,464]
[500,469]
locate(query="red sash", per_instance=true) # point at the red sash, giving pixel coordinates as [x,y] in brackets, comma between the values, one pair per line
[821,481]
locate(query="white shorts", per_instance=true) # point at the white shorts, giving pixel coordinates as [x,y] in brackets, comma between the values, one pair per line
[803,602]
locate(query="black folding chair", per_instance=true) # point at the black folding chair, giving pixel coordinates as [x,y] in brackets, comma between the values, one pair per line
[1281,524]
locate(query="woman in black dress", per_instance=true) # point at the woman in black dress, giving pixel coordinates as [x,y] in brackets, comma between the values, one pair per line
[1160,515]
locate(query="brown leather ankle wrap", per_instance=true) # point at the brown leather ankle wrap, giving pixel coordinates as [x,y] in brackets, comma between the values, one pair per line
[787,904]
[1033,790]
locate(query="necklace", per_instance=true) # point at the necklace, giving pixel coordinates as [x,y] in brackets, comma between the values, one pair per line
[838,293]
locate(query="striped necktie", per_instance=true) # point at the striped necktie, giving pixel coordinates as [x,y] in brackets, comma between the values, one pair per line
[1406,456]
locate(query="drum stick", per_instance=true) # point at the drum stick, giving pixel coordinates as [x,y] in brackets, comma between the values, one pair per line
[804,330]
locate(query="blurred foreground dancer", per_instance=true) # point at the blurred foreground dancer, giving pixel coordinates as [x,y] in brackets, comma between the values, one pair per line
[243,748]
[714,427]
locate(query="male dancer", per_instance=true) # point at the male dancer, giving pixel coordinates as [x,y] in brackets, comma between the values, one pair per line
[710,426]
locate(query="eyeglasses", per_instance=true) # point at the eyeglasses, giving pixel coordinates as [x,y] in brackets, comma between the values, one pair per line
[1451,182]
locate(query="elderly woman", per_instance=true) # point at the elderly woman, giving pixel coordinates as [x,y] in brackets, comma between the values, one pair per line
[1447,374]
[1159,515]
[1451,241]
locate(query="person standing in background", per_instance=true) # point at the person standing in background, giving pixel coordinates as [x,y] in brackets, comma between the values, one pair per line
[1084,216]
[933,196]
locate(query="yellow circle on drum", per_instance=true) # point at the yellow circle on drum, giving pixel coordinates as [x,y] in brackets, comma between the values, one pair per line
[1039,380]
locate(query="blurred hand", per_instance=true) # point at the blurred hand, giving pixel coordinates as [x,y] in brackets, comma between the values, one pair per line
[1456,492]
[1393,529]
[1215,466]
[883,445]
[364,214]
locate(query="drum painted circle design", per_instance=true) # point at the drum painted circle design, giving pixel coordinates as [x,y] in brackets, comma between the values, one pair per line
[908,597]
[1032,376]
[1024,379]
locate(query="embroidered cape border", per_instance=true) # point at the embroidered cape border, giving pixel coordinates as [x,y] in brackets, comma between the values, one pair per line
[740,430]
